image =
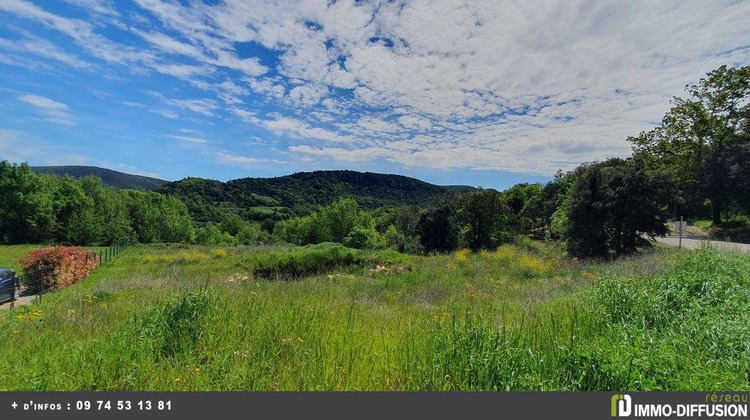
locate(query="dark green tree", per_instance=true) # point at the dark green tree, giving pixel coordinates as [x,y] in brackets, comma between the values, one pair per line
[701,137]
[554,195]
[439,227]
[611,206]
[73,210]
[26,205]
[485,218]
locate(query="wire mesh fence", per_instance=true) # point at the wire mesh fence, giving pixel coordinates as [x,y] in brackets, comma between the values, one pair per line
[106,255]
[35,283]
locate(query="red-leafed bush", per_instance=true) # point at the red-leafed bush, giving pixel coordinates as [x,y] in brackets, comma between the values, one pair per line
[67,265]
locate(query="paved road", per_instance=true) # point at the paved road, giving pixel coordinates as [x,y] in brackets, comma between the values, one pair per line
[697,243]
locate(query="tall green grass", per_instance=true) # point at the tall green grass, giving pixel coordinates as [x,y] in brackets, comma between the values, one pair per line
[522,318]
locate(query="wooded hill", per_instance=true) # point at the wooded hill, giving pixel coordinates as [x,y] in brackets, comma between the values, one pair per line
[109,177]
[301,193]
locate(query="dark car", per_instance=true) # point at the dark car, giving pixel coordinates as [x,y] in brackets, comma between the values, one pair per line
[10,286]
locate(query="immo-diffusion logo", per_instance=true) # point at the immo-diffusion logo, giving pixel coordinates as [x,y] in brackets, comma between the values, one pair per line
[715,405]
[622,405]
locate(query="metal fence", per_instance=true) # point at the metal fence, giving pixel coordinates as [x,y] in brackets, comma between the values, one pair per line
[40,281]
[37,282]
[106,255]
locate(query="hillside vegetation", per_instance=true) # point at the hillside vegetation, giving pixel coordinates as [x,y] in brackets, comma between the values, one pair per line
[300,193]
[109,177]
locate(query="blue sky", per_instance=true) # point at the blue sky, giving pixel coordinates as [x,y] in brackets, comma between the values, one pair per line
[486,93]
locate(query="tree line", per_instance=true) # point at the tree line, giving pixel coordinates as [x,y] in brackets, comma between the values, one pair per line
[696,163]
[49,208]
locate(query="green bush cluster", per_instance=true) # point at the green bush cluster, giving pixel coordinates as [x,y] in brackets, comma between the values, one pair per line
[305,261]
[342,221]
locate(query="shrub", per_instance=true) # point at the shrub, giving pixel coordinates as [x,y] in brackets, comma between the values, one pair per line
[249,234]
[407,244]
[68,264]
[360,238]
[210,234]
[314,259]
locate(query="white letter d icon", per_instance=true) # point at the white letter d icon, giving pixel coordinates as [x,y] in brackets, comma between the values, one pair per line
[625,406]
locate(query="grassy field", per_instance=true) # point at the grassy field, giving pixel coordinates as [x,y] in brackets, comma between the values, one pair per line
[329,318]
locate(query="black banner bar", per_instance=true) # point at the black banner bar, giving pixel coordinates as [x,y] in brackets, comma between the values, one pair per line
[375,405]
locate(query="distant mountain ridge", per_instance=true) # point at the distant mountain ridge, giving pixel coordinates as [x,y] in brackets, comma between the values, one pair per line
[301,193]
[275,198]
[109,177]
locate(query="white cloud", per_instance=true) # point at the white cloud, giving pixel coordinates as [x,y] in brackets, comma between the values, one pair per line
[203,106]
[196,140]
[415,122]
[130,169]
[44,103]
[56,112]
[282,125]
[489,79]
[166,113]
[267,87]
[82,32]
[236,160]
[44,49]
[102,7]
[528,87]
[243,161]
[182,71]
[200,106]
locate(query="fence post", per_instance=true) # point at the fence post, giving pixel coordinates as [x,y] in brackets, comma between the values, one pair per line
[100,258]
